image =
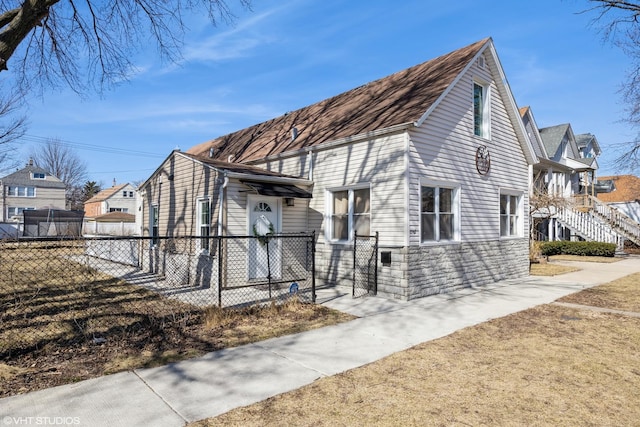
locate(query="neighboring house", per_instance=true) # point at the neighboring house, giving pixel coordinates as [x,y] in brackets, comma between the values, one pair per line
[29,188]
[434,158]
[119,198]
[624,194]
[566,168]
[563,205]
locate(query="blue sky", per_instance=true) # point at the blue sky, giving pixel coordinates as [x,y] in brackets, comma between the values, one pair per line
[284,55]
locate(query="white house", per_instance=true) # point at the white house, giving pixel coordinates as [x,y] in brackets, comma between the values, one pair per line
[434,158]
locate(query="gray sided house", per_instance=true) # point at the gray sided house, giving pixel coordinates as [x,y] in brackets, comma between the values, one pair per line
[434,158]
[29,188]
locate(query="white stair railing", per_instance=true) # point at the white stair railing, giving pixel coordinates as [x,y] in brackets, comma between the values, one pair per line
[589,226]
[617,220]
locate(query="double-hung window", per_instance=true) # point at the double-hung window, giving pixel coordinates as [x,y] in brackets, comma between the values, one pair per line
[438,213]
[350,213]
[510,215]
[481,110]
[204,222]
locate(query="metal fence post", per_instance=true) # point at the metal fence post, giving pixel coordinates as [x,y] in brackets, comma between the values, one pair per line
[313,266]
[355,246]
[375,266]
[219,271]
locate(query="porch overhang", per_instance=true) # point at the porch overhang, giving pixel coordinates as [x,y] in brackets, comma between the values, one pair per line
[277,189]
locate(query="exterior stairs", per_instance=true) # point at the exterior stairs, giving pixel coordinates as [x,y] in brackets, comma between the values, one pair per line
[596,221]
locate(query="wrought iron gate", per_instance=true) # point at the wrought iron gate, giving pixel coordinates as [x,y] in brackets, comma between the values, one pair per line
[365,265]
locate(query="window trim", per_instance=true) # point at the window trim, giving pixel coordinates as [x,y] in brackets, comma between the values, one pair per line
[519,224]
[22,208]
[17,188]
[350,221]
[154,224]
[456,211]
[204,242]
[485,132]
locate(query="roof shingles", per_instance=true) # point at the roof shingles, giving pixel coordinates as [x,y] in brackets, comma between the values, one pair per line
[397,99]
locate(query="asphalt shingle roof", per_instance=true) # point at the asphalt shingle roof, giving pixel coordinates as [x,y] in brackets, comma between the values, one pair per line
[397,99]
[23,176]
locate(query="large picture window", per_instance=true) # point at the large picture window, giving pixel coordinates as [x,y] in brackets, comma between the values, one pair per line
[350,214]
[480,110]
[438,212]
[510,217]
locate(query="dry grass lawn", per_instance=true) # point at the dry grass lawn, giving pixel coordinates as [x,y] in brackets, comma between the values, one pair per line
[546,366]
[603,259]
[550,269]
[53,308]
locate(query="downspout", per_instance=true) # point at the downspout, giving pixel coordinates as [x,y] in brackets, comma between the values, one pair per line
[310,155]
[225,182]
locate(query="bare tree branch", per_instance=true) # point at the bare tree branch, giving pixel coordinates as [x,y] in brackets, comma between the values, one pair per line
[91,42]
[619,23]
[61,161]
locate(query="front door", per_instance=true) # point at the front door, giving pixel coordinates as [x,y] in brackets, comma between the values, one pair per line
[265,254]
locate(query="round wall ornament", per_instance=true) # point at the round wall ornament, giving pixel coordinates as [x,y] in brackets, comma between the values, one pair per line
[483,160]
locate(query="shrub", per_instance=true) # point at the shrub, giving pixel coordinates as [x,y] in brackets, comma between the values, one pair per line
[564,247]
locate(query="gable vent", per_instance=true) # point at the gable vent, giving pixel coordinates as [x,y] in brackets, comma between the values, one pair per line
[481,62]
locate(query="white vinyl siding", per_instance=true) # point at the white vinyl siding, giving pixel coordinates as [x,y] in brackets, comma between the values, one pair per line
[175,189]
[378,163]
[443,149]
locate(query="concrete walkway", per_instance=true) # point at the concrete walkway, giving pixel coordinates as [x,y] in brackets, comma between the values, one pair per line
[199,388]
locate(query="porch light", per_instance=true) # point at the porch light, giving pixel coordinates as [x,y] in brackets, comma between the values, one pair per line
[289,201]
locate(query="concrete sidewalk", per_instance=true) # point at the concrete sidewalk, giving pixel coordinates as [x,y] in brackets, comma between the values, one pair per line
[204,387]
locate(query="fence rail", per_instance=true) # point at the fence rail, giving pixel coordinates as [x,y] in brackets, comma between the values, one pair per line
[53,289]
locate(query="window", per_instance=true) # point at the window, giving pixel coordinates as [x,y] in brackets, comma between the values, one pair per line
[123,210]
[204,222]
[510,215]
[154,220]
[438,211]
[130,193]
[16,211]
[350,212]
[480,110]
[38,175]
[124,194]
[21,191]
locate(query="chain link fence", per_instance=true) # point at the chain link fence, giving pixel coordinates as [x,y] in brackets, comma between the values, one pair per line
[54,291]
